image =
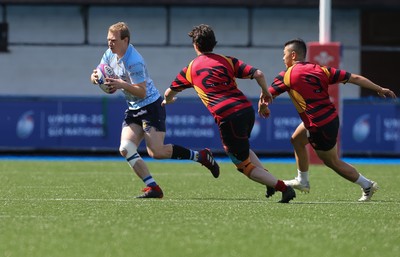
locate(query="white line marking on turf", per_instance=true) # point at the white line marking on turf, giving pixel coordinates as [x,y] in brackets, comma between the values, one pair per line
[69,199]
[27,216]
[184,200]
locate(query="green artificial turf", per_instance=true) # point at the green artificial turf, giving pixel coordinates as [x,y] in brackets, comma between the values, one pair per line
[87,208]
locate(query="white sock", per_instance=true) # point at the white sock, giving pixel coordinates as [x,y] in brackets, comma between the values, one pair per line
[363,181]
[302,176]
[194,155]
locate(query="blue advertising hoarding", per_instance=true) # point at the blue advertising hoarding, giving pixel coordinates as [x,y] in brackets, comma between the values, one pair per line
[94,124]
[60,124]
[371,126]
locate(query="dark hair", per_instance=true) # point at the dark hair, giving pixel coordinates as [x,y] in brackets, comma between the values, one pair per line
[299,46]
[204,38]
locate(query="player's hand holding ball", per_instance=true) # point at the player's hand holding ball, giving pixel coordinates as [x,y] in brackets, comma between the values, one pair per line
[101,76]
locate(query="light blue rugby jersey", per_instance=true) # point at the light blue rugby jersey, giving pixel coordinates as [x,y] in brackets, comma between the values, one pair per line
[132,68]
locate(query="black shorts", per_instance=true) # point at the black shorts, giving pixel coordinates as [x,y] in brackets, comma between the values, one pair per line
[152,115]
[235,134]
[324,139]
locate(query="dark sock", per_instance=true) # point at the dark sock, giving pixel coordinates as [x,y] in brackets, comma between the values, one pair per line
[179,152]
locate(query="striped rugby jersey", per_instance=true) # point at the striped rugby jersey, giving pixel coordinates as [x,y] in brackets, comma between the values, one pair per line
[213,78]
[307,85]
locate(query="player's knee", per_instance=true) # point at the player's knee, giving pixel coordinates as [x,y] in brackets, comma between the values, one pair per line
[128,149]
[292,140]
[123,152]
[298,142]
[246,167]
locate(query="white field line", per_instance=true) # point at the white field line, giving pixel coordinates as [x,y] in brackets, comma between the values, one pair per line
[182,200]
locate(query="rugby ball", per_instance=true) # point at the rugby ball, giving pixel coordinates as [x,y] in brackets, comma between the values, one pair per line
[105,71]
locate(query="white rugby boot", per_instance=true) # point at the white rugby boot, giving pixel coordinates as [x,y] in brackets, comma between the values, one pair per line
[295,183]
[368,192]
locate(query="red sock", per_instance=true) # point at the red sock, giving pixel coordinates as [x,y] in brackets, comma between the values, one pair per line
[157,188]
[280,186]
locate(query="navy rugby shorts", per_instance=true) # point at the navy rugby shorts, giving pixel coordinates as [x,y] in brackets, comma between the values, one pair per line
[152,115]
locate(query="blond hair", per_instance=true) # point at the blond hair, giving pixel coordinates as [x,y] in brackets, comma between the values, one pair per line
[122,28]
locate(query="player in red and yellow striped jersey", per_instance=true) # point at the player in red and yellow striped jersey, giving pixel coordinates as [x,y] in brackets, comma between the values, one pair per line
[312,101]
[213,77]
[307,85]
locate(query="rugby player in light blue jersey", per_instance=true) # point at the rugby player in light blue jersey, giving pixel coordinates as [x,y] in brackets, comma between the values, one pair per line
[145,117]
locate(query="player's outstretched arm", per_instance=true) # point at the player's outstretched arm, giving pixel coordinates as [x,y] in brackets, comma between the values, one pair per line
[265,95]
[366,83]
[169,97]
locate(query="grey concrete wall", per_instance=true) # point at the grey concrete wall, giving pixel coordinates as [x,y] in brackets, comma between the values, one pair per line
[44,70]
